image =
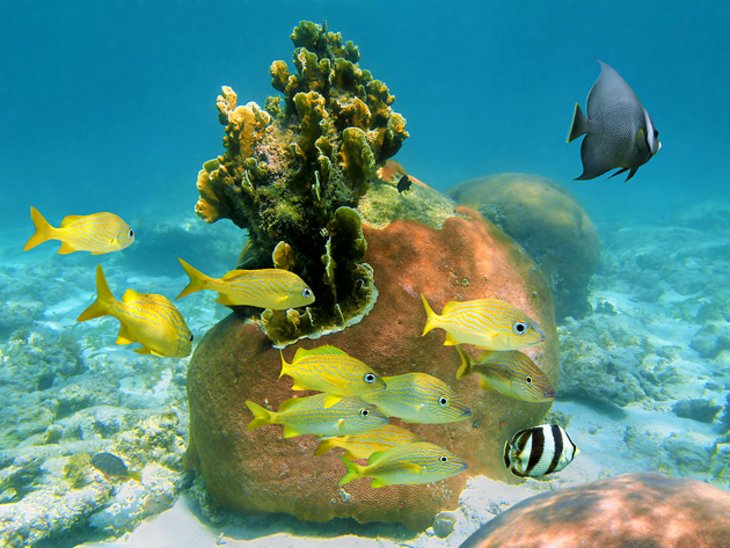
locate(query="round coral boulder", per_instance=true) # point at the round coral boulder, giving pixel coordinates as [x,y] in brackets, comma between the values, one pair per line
[457,257]
[548,221]
[644,509]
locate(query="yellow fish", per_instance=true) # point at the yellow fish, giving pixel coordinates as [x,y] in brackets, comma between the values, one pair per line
[418,462]
[331,370]
[151,320]
[488,323]
[361,446]
[273,288]
[99,233]
[419,397]
[309,416]
[510,373]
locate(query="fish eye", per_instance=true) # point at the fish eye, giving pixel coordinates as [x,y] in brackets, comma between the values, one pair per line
[191,337]
[656,134]
[443,401]
[364,412]
[444,458]
[519,328]
[529,380]
[369,378]
[306,293]
[131,233]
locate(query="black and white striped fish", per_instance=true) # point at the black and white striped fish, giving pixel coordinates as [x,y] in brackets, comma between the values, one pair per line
[538,451]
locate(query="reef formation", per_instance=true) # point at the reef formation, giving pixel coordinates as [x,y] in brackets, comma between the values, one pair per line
[294,171]
[300,177]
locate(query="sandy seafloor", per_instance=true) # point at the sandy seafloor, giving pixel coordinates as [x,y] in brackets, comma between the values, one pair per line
[644,385]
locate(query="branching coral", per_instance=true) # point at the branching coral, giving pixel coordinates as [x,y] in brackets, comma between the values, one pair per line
[290,169]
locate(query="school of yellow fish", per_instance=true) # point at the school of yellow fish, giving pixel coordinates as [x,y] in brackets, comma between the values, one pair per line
[354,403]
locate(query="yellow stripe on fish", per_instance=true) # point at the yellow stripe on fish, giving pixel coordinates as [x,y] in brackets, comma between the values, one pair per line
[98,233]
[361,446]
[149,319]
[419,397]
[309,416]
[273,288]
[511,373]
[412,463]
[491,324]
[331,370]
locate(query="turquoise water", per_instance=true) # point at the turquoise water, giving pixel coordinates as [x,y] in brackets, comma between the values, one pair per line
[110,106]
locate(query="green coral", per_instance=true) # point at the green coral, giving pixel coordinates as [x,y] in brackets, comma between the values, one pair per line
[289,168]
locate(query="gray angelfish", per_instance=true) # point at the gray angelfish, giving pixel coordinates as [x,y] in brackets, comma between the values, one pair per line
[619,131]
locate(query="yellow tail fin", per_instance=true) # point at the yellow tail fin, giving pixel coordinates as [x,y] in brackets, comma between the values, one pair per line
[464,366]
[104,303]
[197,280]
[43,230]
[262,416]
[431,317]
[284,364]
[354,471]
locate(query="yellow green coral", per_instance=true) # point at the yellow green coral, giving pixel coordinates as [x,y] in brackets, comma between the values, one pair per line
[288,168]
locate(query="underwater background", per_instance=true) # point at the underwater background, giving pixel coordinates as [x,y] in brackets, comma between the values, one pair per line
[110,106]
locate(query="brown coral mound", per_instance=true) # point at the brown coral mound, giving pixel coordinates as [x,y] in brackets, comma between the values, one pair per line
[548,221]
[643,509]
[259,471]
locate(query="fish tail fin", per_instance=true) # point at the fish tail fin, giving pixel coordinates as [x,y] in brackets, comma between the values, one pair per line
[197,279]
[579,125]
[431,317]
[506,452]
[324,445]
[43,230]
[136,476]
[464,366]
[104,303]
[354,471]
[284,364]
[262,416]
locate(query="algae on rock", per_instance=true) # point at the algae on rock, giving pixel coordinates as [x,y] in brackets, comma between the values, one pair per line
[289,170]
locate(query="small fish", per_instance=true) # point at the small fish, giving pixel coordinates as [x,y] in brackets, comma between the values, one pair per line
[419,397]
[619,131]
[113,467]
[149,319]
[99,233]
[510,373]
[403,184]
[413,463]
[487,323]
[394,173]
[273,288]
[331,370]
[309,416]
[361,446]
[539,451]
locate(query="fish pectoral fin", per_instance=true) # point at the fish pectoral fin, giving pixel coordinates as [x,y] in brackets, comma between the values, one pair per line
[632,172]
[413,468]
[68,219]
[331,400]
[619,172]
[484,383]
[65,248]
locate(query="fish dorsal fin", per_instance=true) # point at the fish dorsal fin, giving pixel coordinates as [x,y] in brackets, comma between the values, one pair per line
[286,404]
[449,306]
[233,274]
[69,219]
[66,248]
[326,350]
[130,295]
[331,400]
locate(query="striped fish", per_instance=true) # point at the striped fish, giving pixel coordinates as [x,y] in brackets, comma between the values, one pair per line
[412,463]
[419,397]
[510,373]
[309,416]
[273,288]
[99,233]
[539,451]
[148,319]
[361,446]
[487,323]
[331,370]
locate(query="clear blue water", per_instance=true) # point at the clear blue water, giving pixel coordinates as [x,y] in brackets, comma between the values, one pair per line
[110,106]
